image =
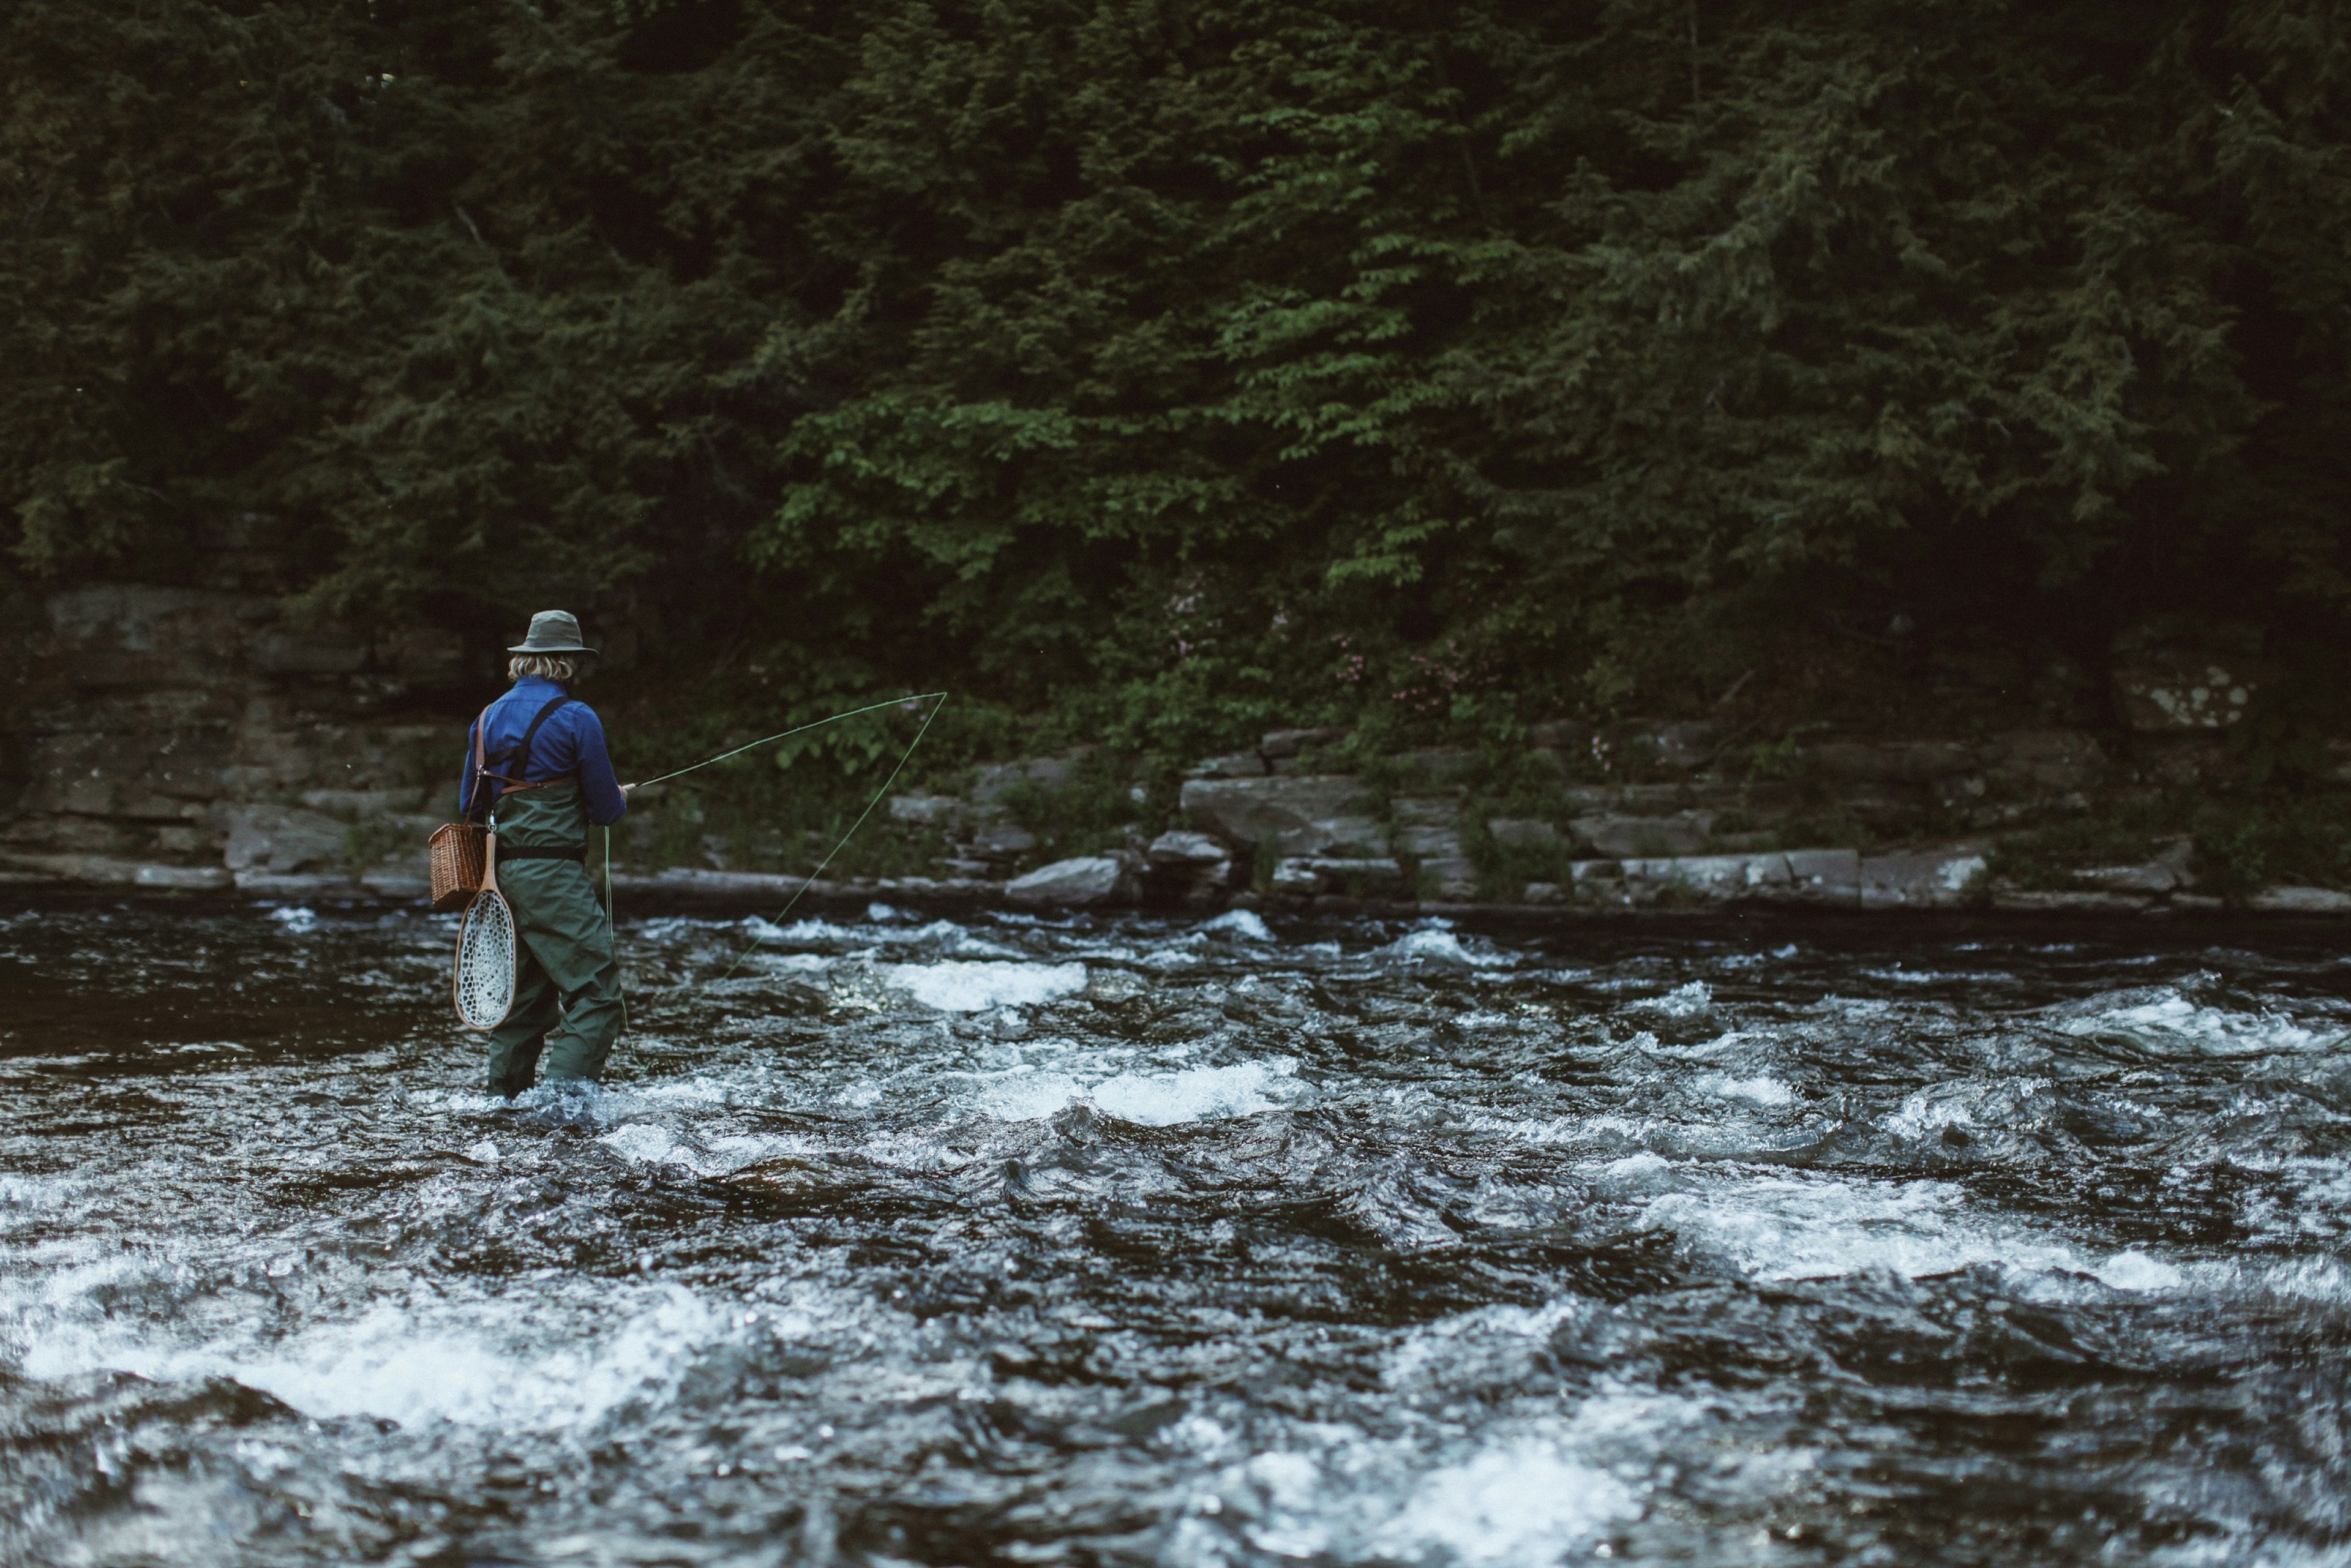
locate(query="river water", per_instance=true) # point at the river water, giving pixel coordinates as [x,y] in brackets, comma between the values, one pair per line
[1016,1242]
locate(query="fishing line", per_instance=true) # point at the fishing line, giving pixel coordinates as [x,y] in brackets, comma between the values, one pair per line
[937,701]
[844,845]
[836,718]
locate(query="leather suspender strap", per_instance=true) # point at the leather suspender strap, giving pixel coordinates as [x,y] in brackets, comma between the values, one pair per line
[520,753]
[474,811]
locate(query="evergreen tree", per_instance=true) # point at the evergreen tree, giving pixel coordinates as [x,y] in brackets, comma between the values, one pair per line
[1194,364]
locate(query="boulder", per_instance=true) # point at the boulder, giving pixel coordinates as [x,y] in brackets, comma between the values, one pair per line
[1078,883]
[1453,878]
[2302,900]
[1436,764]
[2045,759]
[1279,746]
[1427,828]
[117,872]
[2150,878]
[1713,877]
[2036,901]
[1803,876]
[1177,847]
[282,840]
[1823,876]
[1893,761]
[1191,867]
[1240,765]
[1003,841]
[1683,748]
[1286,816]
[927,810]
[1924,879]
[1681,833]
[183,878]
[1362,876]
[2180,676]
[1524,833]
[1629,800]
[1426,843]
[990,784]
[293,884]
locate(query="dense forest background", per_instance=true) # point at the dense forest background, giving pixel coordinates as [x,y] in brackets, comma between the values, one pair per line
[1160,371]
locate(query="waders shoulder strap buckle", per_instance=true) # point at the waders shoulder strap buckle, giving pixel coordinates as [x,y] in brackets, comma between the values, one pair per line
[517,757]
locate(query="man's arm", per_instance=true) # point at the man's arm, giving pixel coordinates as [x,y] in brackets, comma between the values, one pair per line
[465,775]
[598,784]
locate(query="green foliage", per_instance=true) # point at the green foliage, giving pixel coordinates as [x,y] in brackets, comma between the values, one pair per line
[1172,372]
[1090,812]
[2243,841]
[2243,844]
[2125,833]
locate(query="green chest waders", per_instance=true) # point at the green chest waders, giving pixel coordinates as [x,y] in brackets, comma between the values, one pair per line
[567,1003]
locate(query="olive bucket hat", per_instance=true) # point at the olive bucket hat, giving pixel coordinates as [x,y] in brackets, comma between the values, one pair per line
[552,632]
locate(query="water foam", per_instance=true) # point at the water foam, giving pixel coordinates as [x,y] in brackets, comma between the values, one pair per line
[1197,1094]
[1682,1001]
[1435,943]
[1766,1092]
[956,985]
[1523,1504]
[2170,1019]
[1244,924]
[1791,1227]
[1149,1099]
[488,1365]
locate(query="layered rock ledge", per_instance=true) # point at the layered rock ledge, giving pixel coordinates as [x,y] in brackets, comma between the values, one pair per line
[171,740]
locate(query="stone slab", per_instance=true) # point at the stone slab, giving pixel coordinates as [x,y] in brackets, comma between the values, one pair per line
[1078,883]
[1684,833]
[2301,901]
[1946,878]
[1286,816]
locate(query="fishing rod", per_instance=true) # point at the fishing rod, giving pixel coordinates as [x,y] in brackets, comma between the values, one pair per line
[937,701]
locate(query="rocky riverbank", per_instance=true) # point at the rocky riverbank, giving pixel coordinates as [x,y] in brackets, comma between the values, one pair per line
[190,740]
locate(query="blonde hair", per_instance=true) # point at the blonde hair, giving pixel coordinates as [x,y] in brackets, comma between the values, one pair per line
[561,668]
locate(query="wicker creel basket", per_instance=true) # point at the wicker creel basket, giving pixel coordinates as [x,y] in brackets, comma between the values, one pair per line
[457,852]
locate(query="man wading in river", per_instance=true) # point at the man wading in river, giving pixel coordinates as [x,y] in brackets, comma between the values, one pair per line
[535,762]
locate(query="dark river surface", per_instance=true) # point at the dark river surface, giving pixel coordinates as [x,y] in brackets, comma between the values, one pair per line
[1007,1241]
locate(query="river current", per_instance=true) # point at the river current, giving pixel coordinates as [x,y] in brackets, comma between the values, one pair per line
[1203,1244]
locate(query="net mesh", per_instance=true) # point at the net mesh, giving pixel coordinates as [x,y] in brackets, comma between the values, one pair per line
[486,963]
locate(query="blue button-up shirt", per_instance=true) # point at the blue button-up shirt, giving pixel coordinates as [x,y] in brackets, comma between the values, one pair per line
[571,741]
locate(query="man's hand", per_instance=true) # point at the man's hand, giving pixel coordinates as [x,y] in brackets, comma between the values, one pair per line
[626,788]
